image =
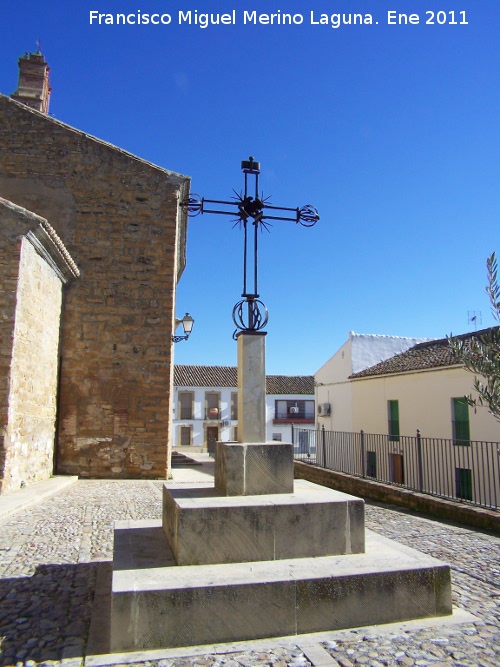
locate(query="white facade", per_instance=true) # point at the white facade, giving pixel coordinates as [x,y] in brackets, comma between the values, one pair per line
[425,401]
[207,414]
[333,389]
[205,421]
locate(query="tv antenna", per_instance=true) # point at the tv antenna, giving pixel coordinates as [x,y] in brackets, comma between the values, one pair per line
[475,317]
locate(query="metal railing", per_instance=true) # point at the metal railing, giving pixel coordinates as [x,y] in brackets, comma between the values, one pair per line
[300,414]
[467,471]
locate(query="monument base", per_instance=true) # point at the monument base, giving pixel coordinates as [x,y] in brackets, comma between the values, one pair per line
[248,469]
[203,527]
[157,603]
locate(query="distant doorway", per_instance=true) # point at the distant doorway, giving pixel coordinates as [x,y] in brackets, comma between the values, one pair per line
[212,435]
[396,468]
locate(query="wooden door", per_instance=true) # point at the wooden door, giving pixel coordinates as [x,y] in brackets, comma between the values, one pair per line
[212,434]
[396,467]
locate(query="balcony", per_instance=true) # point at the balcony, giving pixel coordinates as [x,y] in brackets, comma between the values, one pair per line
[288,417]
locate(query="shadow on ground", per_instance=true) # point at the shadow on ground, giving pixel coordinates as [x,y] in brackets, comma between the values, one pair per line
[47,616]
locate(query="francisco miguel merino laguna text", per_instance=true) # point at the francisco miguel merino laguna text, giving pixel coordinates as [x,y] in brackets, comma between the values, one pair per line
[203,20]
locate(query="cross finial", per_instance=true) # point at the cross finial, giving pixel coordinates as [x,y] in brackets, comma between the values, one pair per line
[250,207]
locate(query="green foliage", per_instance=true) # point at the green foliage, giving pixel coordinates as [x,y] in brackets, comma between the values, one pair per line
[480,353]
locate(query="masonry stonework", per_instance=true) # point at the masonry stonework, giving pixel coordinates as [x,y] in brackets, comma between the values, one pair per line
[120,219]
[33,271]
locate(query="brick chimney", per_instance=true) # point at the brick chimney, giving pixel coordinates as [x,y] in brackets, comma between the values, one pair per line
[33,88]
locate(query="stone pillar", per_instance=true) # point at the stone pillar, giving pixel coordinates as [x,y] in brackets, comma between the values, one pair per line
[251,388]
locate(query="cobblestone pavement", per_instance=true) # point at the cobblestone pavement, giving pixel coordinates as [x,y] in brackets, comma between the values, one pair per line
[50,554]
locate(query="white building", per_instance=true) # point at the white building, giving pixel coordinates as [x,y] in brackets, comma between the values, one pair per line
[420,389]
[333,393]
[206,405]
[405,420]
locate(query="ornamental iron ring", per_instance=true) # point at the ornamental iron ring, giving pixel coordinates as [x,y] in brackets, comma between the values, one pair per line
[252,318]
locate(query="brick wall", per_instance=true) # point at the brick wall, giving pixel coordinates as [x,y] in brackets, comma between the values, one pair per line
[120,220]
[30,303]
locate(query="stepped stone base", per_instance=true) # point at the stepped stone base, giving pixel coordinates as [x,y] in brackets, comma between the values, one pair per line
[157,603]
[203,527]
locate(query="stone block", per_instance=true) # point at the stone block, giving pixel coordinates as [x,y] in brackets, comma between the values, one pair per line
[157,604]
[203,527]
[243,469]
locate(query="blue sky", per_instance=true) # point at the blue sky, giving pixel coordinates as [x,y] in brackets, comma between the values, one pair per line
[391,131]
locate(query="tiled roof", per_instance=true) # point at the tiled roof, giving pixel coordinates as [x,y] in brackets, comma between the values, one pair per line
[289,384]
[431,354]
[205,376]
[227,376]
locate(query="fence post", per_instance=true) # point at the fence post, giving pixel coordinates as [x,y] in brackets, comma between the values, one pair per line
[324,445]
[419,460]
[363,457]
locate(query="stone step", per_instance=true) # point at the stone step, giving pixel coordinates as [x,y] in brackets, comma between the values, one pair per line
[202,526]
[157,603]
[179,460]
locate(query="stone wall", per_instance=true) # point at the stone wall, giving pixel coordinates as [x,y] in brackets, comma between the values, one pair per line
[30,301]
[120,219]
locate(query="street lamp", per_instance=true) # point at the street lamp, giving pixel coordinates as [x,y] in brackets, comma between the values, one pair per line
[187,324]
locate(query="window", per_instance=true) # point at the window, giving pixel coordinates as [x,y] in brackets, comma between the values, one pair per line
[371,464]
[293,410]
[212,405]
[185,436]
[234,405]
[463,483]
[460,423]
[393,418]
[186,399]
[277,437]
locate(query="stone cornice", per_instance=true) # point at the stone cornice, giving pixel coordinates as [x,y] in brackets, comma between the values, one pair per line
[49,246]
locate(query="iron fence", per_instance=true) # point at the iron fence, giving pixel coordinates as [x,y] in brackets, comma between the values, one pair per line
[457,469]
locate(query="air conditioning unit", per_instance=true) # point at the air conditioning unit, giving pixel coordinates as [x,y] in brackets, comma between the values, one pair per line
[324,409]
[225,422]
[294,410]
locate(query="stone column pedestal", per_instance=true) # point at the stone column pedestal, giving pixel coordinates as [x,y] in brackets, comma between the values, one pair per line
[252,387]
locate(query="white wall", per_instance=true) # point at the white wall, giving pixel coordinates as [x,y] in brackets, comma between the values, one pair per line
[424,403]
[360,351]
[284,429]
[199,423]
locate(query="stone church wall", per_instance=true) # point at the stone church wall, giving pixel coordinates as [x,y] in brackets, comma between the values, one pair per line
[30,302]
[119,218]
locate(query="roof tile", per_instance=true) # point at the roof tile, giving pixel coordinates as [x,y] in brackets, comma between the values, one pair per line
[431,354]
[227,376]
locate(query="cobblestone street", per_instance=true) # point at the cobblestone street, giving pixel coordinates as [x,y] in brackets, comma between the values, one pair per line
[50,555]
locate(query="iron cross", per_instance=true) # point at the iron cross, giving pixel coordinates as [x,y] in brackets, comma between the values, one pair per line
[251,208]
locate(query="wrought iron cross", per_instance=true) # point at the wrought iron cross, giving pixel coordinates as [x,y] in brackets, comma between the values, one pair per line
[250,314]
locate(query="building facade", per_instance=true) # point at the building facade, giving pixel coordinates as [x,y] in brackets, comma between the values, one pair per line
[421,389]
[121,221]
[206,405]
[409,423]
[333,389]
